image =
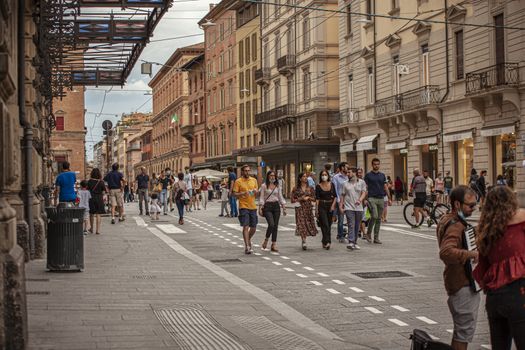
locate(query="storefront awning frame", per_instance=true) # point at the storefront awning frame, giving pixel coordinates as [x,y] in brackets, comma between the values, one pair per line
[429,140]
[458,136]
[498,130]
[366,143]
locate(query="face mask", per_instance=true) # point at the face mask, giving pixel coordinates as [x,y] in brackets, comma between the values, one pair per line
[324,178]
[461,215]
[168,173]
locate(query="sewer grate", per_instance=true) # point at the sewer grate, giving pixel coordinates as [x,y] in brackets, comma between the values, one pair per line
[225,261]
[37,292]
[280,337]
[37,279]
[382,274]
[144,277]
[193,328]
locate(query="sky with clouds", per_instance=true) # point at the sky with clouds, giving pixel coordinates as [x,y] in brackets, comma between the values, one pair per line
[180,20]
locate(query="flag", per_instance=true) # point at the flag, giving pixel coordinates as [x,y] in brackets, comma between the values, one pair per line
[174,118]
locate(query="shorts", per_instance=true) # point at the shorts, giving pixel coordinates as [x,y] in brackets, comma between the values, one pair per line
[447,191]
[248,217]
[86,213]
[115,196]
[464,307]
[420,199]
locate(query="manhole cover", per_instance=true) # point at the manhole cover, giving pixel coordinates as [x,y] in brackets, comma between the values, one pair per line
[35,292]
[381,274]
[37,279]
[225,261]
[144,277]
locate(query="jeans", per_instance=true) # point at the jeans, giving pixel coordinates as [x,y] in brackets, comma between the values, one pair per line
[224,207]
[164,200]
[272,213]
[340,222]
[233,206]
[353,219]
[143,196]
[180,207]
[376,209]
[204,195]
[325,220]
[506,315]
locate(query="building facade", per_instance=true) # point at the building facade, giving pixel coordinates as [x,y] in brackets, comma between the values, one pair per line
[221,84]
[300,91]
[440,96]
[171,111]
[146,157]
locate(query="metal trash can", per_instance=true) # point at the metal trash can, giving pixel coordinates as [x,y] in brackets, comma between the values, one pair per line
[65,238]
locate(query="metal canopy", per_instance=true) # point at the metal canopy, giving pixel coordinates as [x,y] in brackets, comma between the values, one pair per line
[92,42]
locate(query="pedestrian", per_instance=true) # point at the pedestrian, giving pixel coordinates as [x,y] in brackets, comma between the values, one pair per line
[155,186]
[304,216]
[328,168]
[311,181]
[188,179]
[65,185]
[419,192]
[399,190]
[463,299]
[142,181]
[245,188]
[439,188]
[154,207]
[204,192]
[366,213]
[326,200]
[197,195]
[181,195]
[429,185]
[166,180]
[131,195]
[390,185]
[126,193]
[473,182]
[115,181]
[97,188]
[271,201]
[448,182]
[377,188]
[210,192]
[338,181]
[225,201]
[482,187]
[501,268]
[84,196]
[500,180]
[233,200]
[353,195]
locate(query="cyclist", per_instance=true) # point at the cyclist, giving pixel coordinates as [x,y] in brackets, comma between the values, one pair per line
[419,188]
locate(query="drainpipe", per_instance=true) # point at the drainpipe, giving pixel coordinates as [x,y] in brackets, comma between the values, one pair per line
[441,118]
[27,142]
[375,53]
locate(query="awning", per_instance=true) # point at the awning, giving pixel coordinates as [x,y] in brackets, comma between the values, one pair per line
[498,130]
[347,146]
[457,136]
[395,145]
[365,143]
[424,141]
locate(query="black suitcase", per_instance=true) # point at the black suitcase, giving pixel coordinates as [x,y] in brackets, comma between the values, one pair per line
[422,341]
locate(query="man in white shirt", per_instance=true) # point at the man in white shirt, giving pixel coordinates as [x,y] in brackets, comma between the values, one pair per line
[352,195]
[429,182]
[188,179]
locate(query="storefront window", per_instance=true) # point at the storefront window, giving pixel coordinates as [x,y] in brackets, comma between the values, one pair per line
[401,165]
[504,153]
[464,160]
[429,159]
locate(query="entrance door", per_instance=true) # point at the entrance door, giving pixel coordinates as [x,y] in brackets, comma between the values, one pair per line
[401,166]
[499,45]
[429,159]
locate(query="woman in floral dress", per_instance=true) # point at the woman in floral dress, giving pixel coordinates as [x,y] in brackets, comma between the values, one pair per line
[304,215]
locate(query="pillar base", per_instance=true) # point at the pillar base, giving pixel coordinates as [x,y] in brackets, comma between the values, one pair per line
[40,239]
[22,238]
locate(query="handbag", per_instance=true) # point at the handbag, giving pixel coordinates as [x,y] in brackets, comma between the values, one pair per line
[422,341]
[186,198]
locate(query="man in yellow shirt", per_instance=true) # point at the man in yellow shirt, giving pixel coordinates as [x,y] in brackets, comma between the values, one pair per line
[246,189]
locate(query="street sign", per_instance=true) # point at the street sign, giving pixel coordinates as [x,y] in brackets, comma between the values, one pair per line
[107,124]
[263,164]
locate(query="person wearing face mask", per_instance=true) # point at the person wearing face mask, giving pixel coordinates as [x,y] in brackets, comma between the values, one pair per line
[352,197]
[325,204]
[271,200]
[463,299]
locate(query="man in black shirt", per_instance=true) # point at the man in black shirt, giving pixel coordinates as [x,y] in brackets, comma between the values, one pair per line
[142,181]
[116,182]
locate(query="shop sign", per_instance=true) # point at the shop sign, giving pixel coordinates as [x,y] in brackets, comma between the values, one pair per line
[396,145]
[424,141]
[364,146]
[509,129]
[433,147]
[403,151]
[460,136]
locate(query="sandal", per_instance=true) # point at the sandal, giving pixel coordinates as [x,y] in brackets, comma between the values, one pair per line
[274,248]
[303,245]
[264,244]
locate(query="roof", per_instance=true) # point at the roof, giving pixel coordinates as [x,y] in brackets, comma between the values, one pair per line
[195,60]
[218,10]
[196,49]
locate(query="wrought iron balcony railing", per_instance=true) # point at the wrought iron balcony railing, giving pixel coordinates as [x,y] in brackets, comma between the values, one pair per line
[262,76]
[408,101]
[286,64]
[274,114]
[348,115]
[503,74]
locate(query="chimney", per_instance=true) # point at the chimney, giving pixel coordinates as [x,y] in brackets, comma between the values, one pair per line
[212,6]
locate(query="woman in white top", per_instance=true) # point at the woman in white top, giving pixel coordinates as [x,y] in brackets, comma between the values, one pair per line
[270,202]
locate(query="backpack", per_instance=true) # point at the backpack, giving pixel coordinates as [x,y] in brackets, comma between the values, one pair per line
[422,341]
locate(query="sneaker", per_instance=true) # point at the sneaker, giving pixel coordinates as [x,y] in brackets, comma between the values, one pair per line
[121,219]
[113,221]
[247,251]
[356,247]
[172,209]
[140,213]
[85,233]
[367,238]
[351,246]
[341,240]
[220,215]
[377,241]
[147,213]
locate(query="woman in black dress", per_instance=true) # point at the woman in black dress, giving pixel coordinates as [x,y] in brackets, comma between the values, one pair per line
[96,204]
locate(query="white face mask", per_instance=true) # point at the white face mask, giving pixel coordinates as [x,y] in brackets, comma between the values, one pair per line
[324,178]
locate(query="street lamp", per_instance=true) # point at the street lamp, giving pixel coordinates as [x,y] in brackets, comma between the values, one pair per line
[207,24]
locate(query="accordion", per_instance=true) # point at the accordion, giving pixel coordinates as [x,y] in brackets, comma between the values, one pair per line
[469,242]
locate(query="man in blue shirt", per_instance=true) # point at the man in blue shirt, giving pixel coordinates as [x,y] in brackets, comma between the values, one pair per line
[116,182]
[377,190]
[338,180]
[233,200]
[65,185]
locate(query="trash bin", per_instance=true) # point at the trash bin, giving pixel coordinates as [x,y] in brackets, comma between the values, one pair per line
[65,238]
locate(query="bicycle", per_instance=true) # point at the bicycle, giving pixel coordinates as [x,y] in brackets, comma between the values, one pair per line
[433,212]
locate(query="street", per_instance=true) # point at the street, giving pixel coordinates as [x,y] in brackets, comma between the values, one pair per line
[158,285]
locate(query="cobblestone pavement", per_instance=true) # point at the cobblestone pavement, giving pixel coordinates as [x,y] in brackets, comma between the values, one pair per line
[158,285]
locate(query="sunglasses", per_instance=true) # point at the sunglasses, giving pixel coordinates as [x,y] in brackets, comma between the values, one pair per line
[470,205]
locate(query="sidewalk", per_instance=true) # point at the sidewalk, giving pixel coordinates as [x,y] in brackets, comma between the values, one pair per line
[141,289]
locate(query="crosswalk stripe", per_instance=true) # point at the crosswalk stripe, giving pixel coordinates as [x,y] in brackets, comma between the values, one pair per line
[357,290]
[398,322]
[408,233]
[352,300]
[373,297]
[281,228]
[170,228]
[315,283]
[333,291]
[400,308]
[140,221]
[426,320]
[373,310]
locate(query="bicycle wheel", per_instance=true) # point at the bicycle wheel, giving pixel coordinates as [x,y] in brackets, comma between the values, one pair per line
[410,218]
[438,211]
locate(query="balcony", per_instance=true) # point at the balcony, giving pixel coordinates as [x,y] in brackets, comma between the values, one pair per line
[132,148]
[349,115]
[262,76]
[276,116]
[286,64]
[499,75]
[187,131]
[408,101]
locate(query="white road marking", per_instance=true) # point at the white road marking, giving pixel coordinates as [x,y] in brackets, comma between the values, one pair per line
[281,228]
[292,224]
[227,239]
[140,221]
[352,300]
[338,282]
[285,257]
[433,336]
[398,322]
[234,243]
[486,346]
[170,228]
[315,283]
[450,331]
[229,233]
[215,234]
[323,274]
[276,263]
[221,236]
[333,291]
[240,246]
[254,253]
[266,258]
[234,226]
[426,320]
[308,268]
[400,308]
[274,253]
[373,310]
[373,297]
[288,269]
[255,245]
[409,233]
[296,262]
[301,275]
[357,290]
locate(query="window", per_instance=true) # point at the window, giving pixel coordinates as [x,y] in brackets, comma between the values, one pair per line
[232,140]
[241,53]
[189,84]
[349,19]
[277,90]
[351,91]
[221,63]
[396,75]
[277,47]
[248,78]
[247,53]
[223,138]
[277,8]
[248,115]
[425,71]
[278,134]
[241,84]
[254,107]
[289,88]
[230,93]
[254,47]
[242,142]
[59,123]
[202,143]
[306,33]
[255,140]
[370,85]
[266,99]
[241,116]
[307,128]
[208,102]
[394,4]
[460,68]
[266,64]
[290,132]
[306,84]
[221,32]
[369,9]
[248,141]
[254,86]
[289,41]
[222,99]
